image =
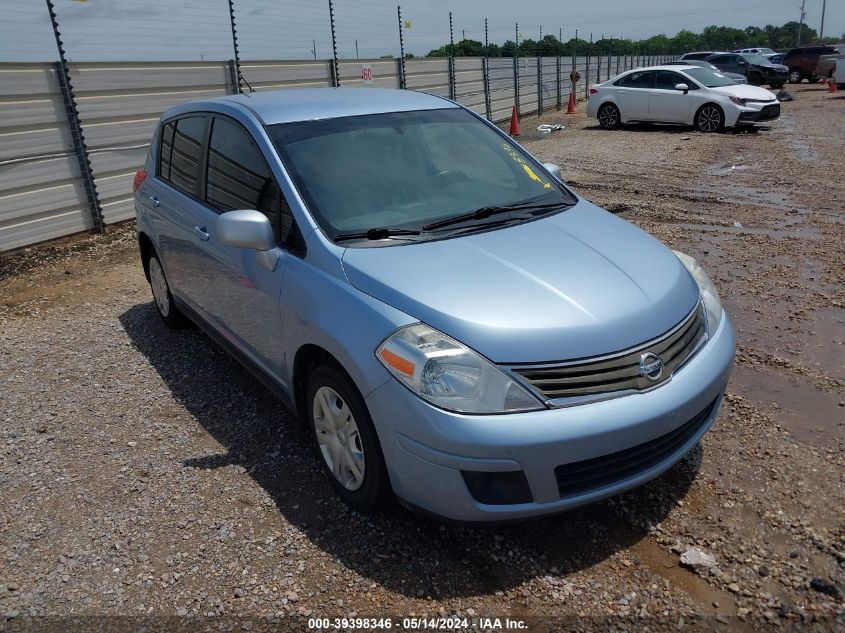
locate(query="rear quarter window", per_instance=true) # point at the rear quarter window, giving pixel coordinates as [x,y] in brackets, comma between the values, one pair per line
[181,153]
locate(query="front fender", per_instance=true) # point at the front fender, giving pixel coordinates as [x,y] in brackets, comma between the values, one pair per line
[324,309]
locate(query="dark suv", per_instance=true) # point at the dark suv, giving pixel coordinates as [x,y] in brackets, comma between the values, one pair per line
[757,68]
[802,62]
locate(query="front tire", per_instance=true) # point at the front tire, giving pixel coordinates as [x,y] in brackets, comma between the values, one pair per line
[609,117]
[794,76]
[709,118]
[162,297]
[346,440]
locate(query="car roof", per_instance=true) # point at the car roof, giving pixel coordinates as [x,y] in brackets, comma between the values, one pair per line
[304,104]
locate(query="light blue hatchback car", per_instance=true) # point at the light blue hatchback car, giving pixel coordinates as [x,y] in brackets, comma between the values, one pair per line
[456,327]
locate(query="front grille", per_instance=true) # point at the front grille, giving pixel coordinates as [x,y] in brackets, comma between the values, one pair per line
[621,372]
[591,474]
[770,112]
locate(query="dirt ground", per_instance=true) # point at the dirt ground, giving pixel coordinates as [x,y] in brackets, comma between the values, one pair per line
[144,474]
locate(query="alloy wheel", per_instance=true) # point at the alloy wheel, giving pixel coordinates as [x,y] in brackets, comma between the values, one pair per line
[794,77]
[340,440]
[608,117]
[709,119]
[158,283]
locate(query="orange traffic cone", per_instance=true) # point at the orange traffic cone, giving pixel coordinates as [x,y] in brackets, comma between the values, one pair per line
[570,109]
[831,85]
[514,123]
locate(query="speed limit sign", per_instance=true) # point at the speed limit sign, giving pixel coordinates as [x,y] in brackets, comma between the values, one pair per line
[367,73]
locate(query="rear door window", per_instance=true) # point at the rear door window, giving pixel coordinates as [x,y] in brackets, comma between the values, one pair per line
[639,79]
[182,168]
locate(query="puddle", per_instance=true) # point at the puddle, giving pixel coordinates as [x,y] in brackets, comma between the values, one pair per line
[726,169]
[794,230]
[811,415]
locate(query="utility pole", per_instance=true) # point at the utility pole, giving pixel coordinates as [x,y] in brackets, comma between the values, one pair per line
[801,23]
[356,49]
[821,28]
[314,49]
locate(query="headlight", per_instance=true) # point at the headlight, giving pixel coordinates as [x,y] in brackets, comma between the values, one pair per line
[712,304]
[738,101]
[450,375]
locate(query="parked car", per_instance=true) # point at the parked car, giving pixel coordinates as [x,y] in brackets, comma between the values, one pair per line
[825,66]
[684,95]
[802,62]
[736,77]
[763,51]
[757,68]
[452,323]
[839,71]
[700,55]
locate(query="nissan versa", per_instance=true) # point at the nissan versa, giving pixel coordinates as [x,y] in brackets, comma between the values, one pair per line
[455,326]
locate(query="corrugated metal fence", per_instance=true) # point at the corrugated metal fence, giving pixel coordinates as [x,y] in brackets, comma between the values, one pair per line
[42,194]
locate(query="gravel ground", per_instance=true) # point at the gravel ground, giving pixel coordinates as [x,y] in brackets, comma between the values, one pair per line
[145,475]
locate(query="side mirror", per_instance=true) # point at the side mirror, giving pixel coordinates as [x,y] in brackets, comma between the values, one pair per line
[682,87]
[249,229]
[553,169]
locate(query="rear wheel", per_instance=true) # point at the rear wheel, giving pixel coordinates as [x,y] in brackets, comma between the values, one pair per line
[794,76]
[161,295]
[709,118]
[609,117]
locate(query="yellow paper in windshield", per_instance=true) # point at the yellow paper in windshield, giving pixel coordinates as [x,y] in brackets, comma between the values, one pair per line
[525,167]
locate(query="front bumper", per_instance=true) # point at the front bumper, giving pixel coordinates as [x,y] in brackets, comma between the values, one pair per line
[766,113]
[426,448]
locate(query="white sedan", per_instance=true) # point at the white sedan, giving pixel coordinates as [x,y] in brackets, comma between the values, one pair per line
[685,95]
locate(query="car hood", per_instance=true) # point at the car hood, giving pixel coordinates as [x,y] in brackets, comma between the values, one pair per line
[746,91]
[578,284]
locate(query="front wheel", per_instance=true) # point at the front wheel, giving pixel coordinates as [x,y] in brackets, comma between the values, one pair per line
[795,76]
[346,440]
[609,117]
[709,118]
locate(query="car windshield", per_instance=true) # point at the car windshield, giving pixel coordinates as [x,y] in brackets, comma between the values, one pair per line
[754,58]
[766,51]
[404,171]
[709,78]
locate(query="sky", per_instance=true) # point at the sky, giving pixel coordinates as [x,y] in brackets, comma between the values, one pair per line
[120,30]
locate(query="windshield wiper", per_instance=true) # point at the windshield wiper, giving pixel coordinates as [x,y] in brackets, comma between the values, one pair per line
[486,212]
[380,233]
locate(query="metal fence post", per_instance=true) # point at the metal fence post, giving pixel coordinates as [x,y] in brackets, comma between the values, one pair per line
[485,73]
[559,92]
[539,85]
[587,69]
[451,67]
[401,61]
[609,55]
[237,59]
[335,68]
[516,71]
[75,125]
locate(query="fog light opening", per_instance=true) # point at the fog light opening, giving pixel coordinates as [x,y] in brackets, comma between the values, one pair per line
[505,488]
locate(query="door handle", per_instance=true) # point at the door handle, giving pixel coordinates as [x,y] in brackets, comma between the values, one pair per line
[202,232]
[153,201]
